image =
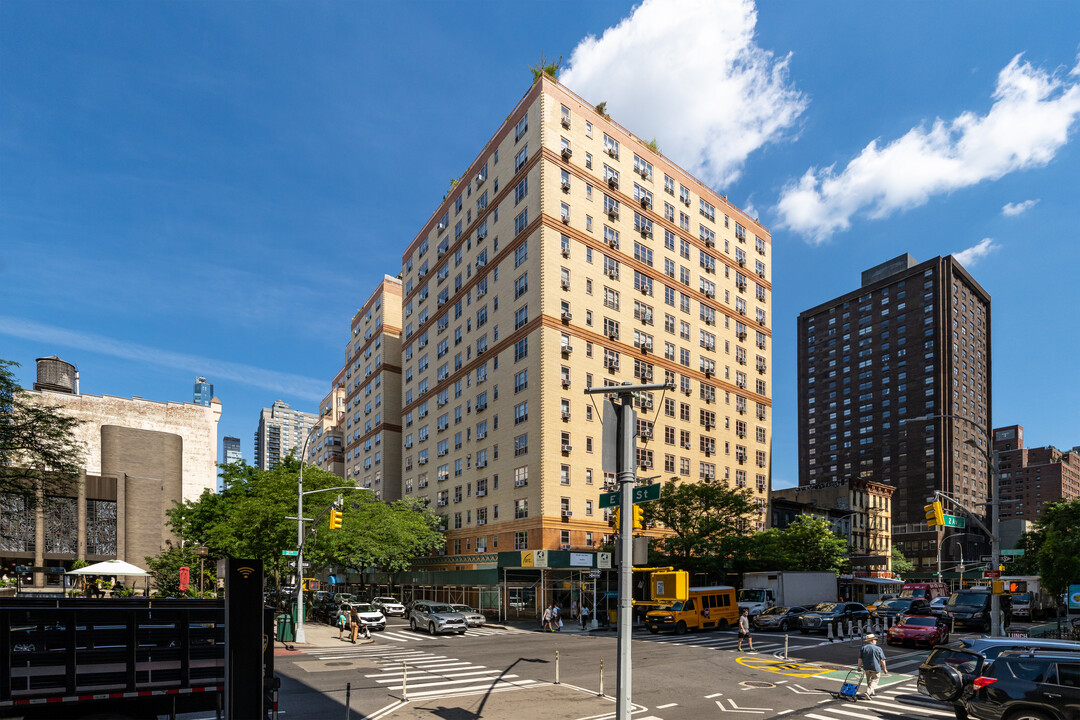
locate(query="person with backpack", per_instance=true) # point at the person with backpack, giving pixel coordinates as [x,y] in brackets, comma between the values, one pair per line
[548,613]
[354,624]
[556,619]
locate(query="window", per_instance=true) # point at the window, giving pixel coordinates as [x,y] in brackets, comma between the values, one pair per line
[522,128]
[521,445]
[521,508]
[521,540]
[521,158]
[521,221]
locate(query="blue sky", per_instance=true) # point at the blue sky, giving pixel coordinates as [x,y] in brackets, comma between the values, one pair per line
[202,188]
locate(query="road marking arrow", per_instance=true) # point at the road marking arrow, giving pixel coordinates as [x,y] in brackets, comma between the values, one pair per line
[736,708]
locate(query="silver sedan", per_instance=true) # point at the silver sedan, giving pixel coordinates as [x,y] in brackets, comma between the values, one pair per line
[473,619]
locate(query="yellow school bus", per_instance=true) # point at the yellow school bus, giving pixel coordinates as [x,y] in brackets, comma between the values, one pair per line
[707,608]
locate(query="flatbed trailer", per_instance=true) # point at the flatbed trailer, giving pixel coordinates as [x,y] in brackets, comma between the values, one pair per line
[125,658]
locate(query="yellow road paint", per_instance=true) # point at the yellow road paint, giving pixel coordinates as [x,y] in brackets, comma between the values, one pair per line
[781,667]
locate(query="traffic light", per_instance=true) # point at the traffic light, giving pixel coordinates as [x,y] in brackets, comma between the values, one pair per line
[639,517]
[335,519]
[935,514]
[1016,587]
[615,520]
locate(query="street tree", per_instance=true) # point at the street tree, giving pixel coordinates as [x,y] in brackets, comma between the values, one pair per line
[1058,531]
[900,563]
[710,523]
[808,543]
[38,451]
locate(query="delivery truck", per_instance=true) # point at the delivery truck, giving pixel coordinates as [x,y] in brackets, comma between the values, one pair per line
[1034,604]
[763,590]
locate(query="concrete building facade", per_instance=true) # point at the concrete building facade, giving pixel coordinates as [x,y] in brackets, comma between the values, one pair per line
[913,342]
[571,253]
[371,377]
[326,438]
[281,430]
[1033,477]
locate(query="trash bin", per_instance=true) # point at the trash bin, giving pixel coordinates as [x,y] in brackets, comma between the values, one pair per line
[286,628]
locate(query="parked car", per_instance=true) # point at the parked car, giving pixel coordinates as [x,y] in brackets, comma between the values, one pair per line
[916,630]
[325,611]
[436,617]
[898,608]
[779,618]
[388,606]
[472,618]
[1040,685]
[832,614]
[345,597]
[370,617]
[873,607]
[925,590]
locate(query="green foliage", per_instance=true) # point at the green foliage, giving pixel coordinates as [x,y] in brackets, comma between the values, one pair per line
[710,521]
[653,146]
[601,109]
[551,69]
[809,543]
[1028,563]
[247,520]
[37,449]
[164,568]
[900,563]
[1058,543]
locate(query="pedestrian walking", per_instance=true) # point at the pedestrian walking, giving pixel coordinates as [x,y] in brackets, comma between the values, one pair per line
[744,629]
[573,609]
[548,612]
[354,624]
[556,619]
[584,616]
[342,622]
[871,662]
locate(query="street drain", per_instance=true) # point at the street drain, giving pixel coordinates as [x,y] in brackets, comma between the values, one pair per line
[339,662]
[757,684]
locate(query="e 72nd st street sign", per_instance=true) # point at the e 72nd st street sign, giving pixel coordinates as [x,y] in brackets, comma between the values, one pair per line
[641,494]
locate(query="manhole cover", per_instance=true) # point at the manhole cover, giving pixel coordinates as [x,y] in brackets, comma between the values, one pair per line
[340,662]
[757,684]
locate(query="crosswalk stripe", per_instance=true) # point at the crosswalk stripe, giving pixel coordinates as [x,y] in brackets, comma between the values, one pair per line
[913,707]
[904,663]
[850,713]
[440,683]
[500,685]
[397,678]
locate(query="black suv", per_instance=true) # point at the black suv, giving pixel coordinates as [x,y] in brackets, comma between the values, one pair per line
[823,615]
[971,608]
[1020,685]
[900,607]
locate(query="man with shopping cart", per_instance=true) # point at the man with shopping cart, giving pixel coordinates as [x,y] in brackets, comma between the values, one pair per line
[871,662]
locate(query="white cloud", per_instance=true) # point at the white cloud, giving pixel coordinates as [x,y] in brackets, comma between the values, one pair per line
[1028,123]
[698,56]
[285,383]
[1011,209]
[973,254]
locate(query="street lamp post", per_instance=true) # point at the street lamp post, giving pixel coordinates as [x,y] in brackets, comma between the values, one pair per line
[300,636]
[995,508]
[202,551]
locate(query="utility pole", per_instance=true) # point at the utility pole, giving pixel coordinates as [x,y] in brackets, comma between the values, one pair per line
[621,447]
[300,636]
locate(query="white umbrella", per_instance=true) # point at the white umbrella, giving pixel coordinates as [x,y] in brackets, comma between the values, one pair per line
[110,567]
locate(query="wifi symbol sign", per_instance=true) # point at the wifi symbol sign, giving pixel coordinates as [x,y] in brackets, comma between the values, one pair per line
[245,571]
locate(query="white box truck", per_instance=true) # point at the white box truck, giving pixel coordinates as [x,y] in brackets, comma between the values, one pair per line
[1035,604]
[763,590]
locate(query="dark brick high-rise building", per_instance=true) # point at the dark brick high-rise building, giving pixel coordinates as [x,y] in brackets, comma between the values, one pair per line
[1033,477]
[912,341]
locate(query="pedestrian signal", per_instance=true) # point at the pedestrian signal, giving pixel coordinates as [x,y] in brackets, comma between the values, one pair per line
[1016,587]
[335,519]
[935,514]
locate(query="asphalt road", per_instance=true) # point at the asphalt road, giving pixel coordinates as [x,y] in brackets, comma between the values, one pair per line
[511,673]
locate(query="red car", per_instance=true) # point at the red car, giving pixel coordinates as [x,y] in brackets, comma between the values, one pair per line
[919,630]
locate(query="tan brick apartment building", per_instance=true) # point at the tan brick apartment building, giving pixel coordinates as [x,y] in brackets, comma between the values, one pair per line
[570,254]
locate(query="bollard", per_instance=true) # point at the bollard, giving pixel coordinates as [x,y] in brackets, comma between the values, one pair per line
[348,700]
[601,693]
[785,646]
[556,667]
[861,629]
[849,629]
[274,704]
[404,683]
[830,632]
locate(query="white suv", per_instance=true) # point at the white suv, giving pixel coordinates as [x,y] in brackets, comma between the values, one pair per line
[436,617]
[388,606]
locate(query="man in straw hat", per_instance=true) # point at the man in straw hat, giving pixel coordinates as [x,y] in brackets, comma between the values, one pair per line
[872,662]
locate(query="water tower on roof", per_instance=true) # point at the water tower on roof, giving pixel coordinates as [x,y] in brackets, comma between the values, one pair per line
[57,375]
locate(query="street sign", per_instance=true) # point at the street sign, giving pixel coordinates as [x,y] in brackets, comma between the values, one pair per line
[643,493]
[986,558]
[307,564]
[610,499]
[289,552]
[991,573]
[594,574]
[955,521]
[1012,552]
